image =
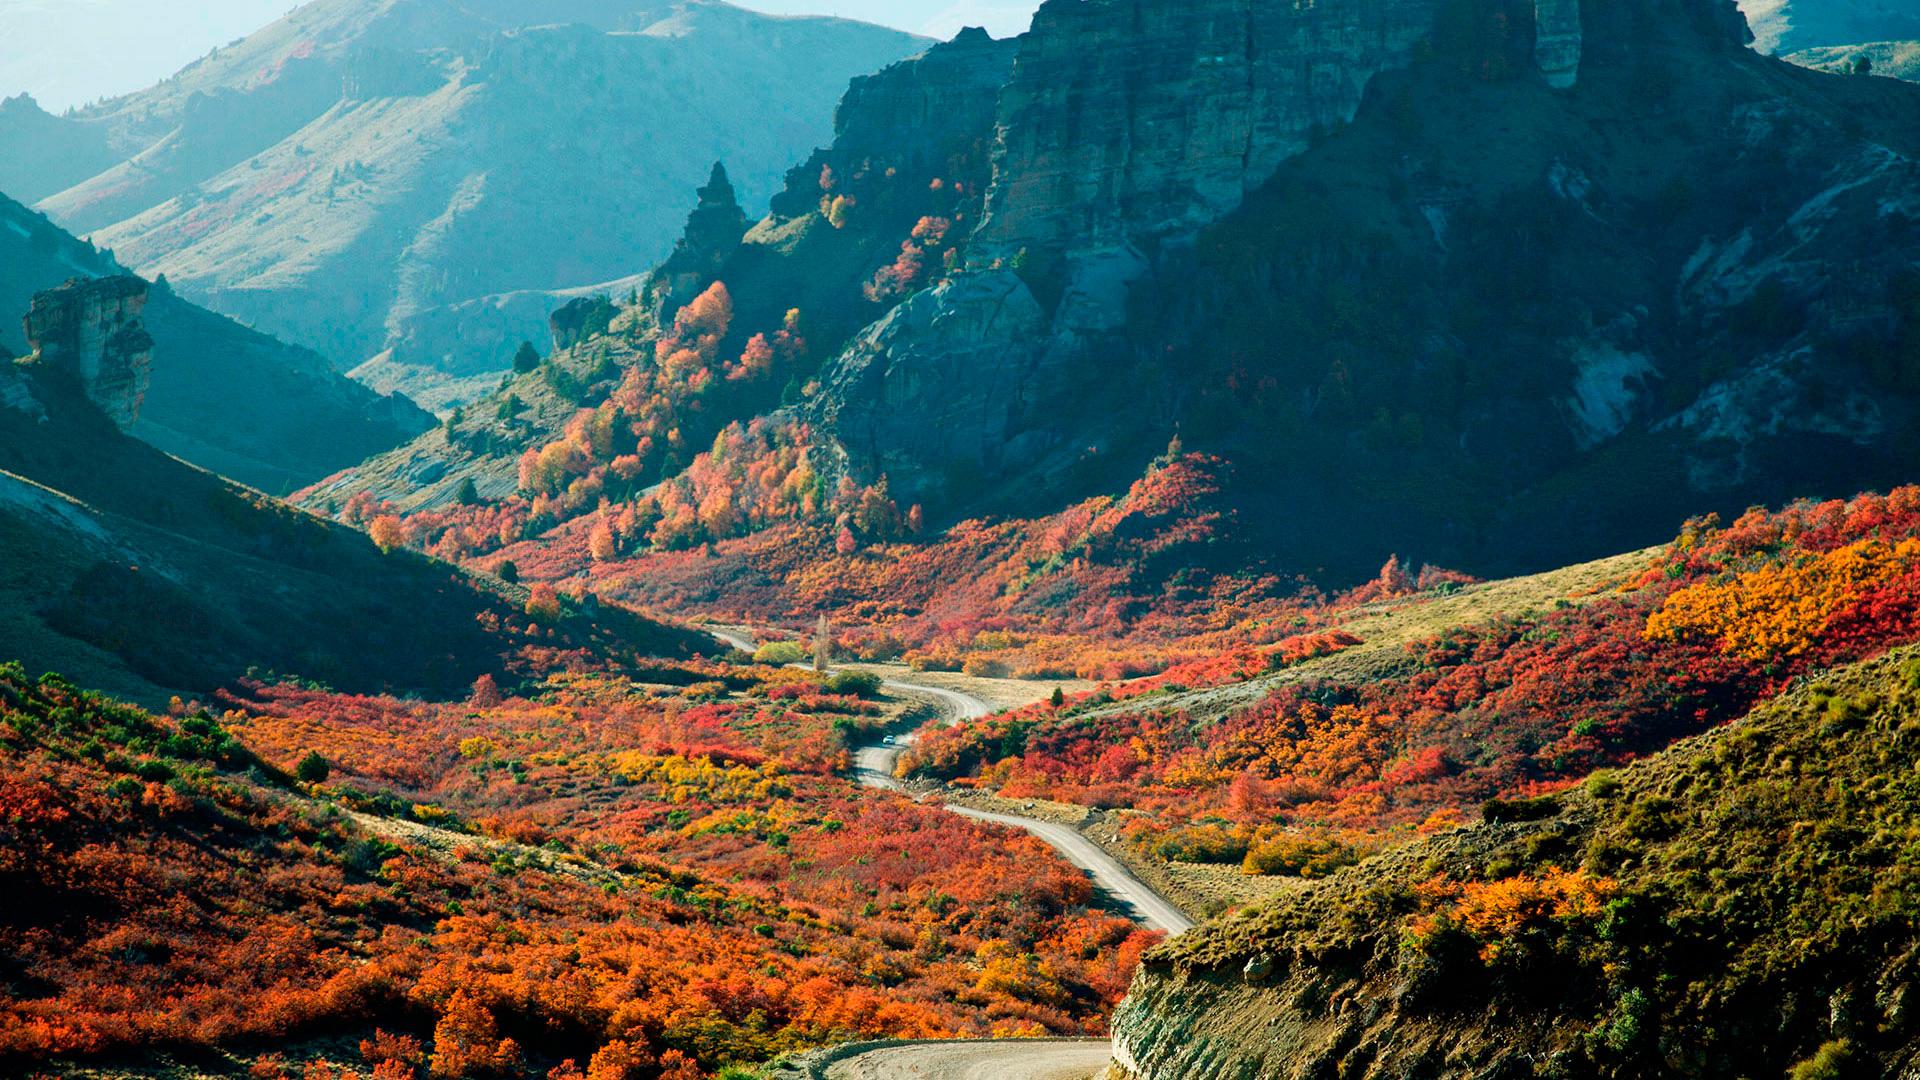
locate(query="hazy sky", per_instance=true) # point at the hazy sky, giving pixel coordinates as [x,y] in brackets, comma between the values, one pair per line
[69,52]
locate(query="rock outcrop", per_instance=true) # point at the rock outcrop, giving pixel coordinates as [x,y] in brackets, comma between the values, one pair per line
[1123,130]
[1557,41]
[90,329]
[714,230]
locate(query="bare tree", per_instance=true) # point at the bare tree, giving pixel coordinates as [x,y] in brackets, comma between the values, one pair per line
[822,646]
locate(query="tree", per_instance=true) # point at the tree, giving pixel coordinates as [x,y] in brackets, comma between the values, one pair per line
[1058,699]
[601,543]
[486,693]
[468,493]
[467,1040]
[526,359]
[387,532]
[1863,65]
[822,645]
[508,571]
[543,606]
[313,769]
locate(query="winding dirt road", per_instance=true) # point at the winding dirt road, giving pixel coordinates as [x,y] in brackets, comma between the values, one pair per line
[873,767]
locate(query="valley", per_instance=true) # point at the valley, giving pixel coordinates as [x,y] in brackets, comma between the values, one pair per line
[625,540]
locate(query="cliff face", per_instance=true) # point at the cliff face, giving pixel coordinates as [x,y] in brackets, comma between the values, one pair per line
[1123,129]
[90,330]
[1403,233]
[1127,120]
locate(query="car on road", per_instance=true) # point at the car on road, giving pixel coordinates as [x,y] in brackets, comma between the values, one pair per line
[890,740]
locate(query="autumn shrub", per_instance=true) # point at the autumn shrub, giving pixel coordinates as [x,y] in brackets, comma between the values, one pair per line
[1298,856]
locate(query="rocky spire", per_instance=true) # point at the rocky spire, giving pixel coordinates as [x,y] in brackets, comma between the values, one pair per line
[714,230]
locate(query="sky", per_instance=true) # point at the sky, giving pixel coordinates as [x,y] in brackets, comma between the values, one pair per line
[69,52]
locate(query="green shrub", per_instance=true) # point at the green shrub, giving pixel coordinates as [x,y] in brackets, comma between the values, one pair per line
[1298,856]
[855,684]
[1495,811]
[1203,843]
[313,769]
[780,653]
[1831,1062]
[1604,784]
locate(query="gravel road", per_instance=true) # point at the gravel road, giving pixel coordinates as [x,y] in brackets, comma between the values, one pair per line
[1039,1059]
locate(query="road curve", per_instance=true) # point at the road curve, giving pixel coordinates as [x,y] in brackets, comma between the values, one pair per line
[873,767]
[1148,906]
[1019,1059]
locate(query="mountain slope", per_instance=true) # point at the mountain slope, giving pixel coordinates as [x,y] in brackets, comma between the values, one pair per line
[912,144]
[1891,59]
[1740,905]
[357,175]
[140,574]
[222,396]
[1787,26]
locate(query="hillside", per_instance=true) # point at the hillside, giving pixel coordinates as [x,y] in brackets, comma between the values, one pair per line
[910,145]
[1741,905]
[1890,59]
[643,879]
[144,576]
[1781,27]
[222,396]
[367,175]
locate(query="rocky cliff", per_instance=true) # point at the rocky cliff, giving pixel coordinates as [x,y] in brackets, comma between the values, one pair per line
[90,330]
[1343,251]
[1124,121]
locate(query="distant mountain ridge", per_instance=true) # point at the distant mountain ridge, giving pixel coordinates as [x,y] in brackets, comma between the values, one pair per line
[351,176]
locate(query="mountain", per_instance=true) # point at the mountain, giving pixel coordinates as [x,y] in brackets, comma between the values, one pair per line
[1736,906]
[142,575]
[222,396]
[1432,298]
[357,176]
[1788,26]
